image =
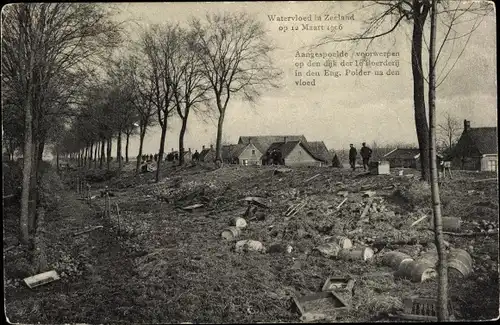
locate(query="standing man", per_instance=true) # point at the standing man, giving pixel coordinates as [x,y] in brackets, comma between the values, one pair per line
[366,153]
[352,157]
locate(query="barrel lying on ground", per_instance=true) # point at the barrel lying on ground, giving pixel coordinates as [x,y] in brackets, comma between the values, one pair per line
[395,258]
[415,271]
[231,233]
[459,263]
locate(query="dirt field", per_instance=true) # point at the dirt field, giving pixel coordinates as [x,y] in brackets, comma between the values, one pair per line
[159,263]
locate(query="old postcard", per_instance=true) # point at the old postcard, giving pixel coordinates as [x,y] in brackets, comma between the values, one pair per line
[249,162]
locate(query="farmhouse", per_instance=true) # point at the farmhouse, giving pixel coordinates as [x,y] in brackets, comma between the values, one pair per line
[263,142]
[406,158]
[319,150]
[242,154]
[295,153]
[477,149]
[207,155]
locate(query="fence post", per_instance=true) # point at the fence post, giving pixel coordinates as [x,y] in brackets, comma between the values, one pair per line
[108,204]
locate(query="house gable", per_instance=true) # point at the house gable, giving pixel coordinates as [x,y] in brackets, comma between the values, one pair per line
[249,152]
[299,154]
[465,147]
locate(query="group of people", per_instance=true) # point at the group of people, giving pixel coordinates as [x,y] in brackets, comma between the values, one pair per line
[365,152]
[274,157]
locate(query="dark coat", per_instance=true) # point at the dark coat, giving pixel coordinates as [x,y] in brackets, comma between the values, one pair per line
[366,152]
[353,153]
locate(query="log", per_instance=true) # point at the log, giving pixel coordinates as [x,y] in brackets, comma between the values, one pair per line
[86,231]
[311,178]
[418,221]
[470,234]
[341,203]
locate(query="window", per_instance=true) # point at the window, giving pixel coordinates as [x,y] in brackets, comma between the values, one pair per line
[253,152]
[492,165]
[300,152]
[245,162]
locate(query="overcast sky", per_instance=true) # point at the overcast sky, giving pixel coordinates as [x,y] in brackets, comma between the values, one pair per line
[337,111]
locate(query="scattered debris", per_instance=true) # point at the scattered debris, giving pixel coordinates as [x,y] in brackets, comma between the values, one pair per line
[395,258]
[415,271]
[422,309]
[360,254]
[342,193]
[367,207]
[282,170]
[294,209]
[257,201]
[418,221]
[239,222]
[41,279]
[311,178]
[310,317]
[279,248]
[341,203]
[192,207]
[86,231]
[339,284]
[369,193]
[459,260]
[249,245]
[326,302]
[231,233]
[343,242]
[329,249]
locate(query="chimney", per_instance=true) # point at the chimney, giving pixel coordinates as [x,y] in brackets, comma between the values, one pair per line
[189,150]
[284,139]
[466,125]
[211,146]
[172,149]
[202,147]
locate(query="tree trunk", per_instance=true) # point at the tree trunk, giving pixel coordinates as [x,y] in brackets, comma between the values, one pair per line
[139,156]
[442,310]
[218,147]
[162,148]
[101,156]
[119,150]
[126,148]
[27,167]
[96,151]
[421,125]
[91,151]
[108,161]
[181,140]
[57,159]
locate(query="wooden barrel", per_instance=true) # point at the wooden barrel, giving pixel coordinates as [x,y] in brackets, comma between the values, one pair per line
[459,260]
[357,254]
[394,259]
[343,242]
[231,233]
[449,223]
[415,271]
[429,257]
[239,222]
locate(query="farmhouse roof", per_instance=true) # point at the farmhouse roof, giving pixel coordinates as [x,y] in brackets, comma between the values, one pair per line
[319,149]
[403,153]
[263,142]
[286,147]
[485,139]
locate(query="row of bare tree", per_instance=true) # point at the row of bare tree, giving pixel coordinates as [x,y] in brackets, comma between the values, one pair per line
[71,79]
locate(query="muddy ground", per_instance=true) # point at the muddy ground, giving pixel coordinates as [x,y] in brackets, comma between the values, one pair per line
[158,263]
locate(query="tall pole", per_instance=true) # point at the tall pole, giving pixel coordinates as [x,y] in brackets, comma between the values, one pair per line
[442,306]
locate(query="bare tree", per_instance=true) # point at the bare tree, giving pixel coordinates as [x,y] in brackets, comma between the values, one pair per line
[160,44]
[190,86]
[442,310]
[234,52]
[43,47]
[449,131]
[388,16]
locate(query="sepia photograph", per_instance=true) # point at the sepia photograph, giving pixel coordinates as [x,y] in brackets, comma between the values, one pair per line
[250,162]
